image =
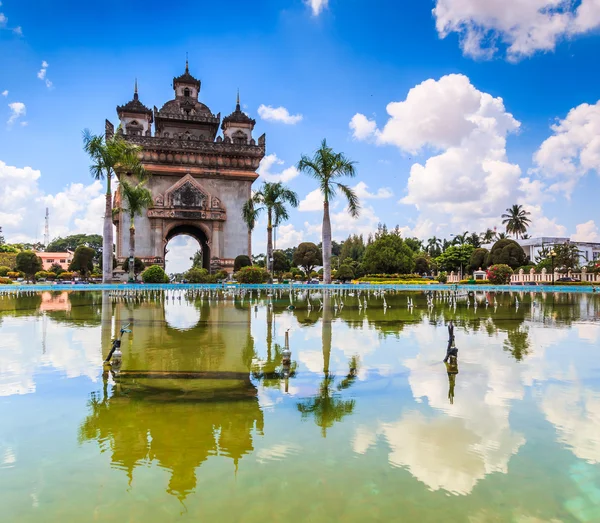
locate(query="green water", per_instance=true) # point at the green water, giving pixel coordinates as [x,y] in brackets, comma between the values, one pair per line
[202,422]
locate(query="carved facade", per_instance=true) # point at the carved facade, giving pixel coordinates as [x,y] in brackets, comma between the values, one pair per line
[199,180]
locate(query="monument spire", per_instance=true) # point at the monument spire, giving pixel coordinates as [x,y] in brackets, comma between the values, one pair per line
[135,91]
[237,106]
[187,66]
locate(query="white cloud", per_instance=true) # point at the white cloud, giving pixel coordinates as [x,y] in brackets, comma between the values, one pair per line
[18,30]
[361,190]
[18,109]
[5,92]
[78,208]
[271,160]
[180,250]
[278,114]
[587,232]
[573,150]
[313,201]
[288,236]
[362,127]
[317,6]
[524,26]
[3,20]
[42,74]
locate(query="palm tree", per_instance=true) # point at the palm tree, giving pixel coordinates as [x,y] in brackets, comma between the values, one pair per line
[474,240]
[271,197]
[488,236]
[461,239]
[137,198]
[327,166]
[109,155]
[434,246]
[516,220]
[502,236]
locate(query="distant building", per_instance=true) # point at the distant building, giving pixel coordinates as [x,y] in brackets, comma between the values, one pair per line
[49,259]
[533,246]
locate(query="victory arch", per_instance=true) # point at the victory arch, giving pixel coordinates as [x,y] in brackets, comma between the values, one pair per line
[199,179]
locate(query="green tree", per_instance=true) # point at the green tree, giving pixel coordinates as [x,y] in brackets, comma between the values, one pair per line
[422,265]
[308,256]
[137,198]
[353,248]
[327,167]
[109,155]
[567,257]
[272,198]
[280,262]
[455,258]
[83,260]
[388,254]
[1,237]
[197,260]
[507,252]
[414,244]
[516,220]
[461,239]
[56,269]
[241,261]
[196,275]
[138,266]
[28,262]
[488,236]
[474,239]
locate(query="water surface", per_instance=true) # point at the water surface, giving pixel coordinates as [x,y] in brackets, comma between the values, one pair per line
[203,422]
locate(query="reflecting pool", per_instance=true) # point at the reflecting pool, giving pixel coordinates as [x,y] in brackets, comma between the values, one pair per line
[203,419]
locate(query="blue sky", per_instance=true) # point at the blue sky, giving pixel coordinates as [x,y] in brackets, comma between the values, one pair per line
[476,88]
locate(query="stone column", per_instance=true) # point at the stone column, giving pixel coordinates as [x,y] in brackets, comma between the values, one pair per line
[217,248]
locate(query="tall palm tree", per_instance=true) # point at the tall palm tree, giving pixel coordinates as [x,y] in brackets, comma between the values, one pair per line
[327,166]
[137,198]
[488,236]
[461,239]
[516,220]
[434,245]
[110,154]
[271,197]
[474,239]
[502,236]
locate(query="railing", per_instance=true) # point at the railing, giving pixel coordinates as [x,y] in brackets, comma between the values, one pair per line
[544,277]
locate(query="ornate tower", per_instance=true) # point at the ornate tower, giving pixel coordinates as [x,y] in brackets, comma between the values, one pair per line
[136,118]
[238,126]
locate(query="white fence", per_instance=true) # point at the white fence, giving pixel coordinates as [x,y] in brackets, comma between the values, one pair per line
[542,277]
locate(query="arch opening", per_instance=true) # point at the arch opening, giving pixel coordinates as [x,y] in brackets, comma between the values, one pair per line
[182,242]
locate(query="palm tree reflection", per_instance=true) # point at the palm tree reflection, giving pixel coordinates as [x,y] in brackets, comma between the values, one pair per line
[328,406]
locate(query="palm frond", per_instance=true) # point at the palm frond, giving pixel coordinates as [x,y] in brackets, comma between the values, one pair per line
[352,198]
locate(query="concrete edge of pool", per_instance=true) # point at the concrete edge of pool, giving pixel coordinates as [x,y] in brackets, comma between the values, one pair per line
[11,289]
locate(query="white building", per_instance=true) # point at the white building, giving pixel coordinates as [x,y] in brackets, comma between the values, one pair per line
[533,246]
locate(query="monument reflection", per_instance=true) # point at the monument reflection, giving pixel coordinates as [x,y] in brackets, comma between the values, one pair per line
[180,396]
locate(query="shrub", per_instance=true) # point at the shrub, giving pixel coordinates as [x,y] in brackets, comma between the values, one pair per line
[5,281]
[499,274]
[199,276]
[345,273]
[287,276]
[155,274]
[241,261]
[252,275]
[50,276]
[4,270]
[41,275]
[221,275]
[442,277]
[56,269]
[14,275]
[478,259]
[66,276]
[8,259]
[506,252]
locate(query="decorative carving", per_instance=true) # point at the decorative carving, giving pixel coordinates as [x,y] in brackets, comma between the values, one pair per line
[159,201]
[216,203]
[188,195]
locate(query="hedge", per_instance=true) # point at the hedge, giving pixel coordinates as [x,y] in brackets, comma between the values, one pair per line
[252,274]
[5,281]
[155,274]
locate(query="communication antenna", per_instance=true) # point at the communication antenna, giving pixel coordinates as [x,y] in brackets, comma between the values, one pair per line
[47,229]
